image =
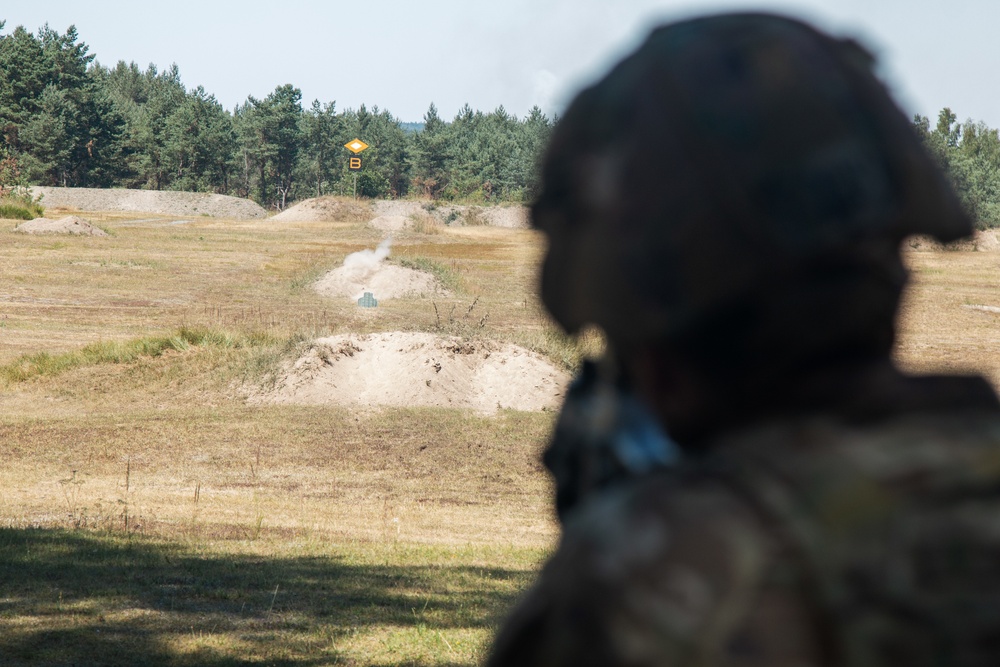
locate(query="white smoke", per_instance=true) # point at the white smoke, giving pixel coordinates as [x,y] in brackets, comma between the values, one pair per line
[361,266]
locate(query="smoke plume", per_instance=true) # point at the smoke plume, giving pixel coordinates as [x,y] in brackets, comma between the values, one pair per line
[359,267]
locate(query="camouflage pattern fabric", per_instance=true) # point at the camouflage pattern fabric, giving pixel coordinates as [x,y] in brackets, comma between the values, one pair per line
[810,541]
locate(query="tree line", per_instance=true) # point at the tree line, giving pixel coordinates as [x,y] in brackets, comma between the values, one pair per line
[970,154]
[67,120]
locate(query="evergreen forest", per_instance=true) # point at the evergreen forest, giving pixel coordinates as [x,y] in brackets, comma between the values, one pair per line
[67,120]
[970,154]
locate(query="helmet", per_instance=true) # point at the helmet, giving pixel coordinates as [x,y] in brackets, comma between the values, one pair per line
[721,158]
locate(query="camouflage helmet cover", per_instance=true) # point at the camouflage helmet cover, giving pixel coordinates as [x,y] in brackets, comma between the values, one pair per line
[721,156]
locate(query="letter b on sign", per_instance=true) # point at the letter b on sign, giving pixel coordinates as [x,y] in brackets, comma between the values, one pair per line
[354,164]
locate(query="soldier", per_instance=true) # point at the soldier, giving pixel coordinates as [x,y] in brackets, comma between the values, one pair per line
[728,205]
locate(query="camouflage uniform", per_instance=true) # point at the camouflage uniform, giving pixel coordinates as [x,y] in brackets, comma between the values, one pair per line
[738,190]
[816,541]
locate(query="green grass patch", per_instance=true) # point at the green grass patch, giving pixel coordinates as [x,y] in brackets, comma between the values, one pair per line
[15,211]
[30,366]
[20,207]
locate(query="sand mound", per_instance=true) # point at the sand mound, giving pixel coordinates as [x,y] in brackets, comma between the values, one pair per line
[418,369]
[514,217]
[391,223]
[150,201]
[397,207]
[326,209]
[71,224]
[387,281]
[366,271]
[987,240]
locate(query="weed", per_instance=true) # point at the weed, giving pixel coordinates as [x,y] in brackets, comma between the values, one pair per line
[425,224]
[564,350]
[38,364]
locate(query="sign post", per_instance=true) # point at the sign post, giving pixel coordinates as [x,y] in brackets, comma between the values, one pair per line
[354,163]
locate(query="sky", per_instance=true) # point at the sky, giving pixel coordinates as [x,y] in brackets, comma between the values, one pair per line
[402,56]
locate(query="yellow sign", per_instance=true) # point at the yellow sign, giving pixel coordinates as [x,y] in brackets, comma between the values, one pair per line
[355,146]
[354,164]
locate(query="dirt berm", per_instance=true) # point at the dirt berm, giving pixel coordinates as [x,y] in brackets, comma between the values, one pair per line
[397,214]
[70,224]
[413,369]
[150,201]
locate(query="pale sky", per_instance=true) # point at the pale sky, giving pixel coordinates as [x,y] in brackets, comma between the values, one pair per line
[402,56]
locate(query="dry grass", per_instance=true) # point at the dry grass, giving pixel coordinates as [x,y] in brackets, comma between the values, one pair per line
[938,330]
[147,511]
[142,498]
[424,223]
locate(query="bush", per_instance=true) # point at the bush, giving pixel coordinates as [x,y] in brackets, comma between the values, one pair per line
[20,207]
[15,212]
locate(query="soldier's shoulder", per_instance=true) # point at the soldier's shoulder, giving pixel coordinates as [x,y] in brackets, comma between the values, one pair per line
[645,574]
[933,447]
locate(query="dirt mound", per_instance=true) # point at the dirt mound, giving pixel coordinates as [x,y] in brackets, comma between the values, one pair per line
[391,223]
[326,209]
[366,271]
[494,216]
[514,217]
[386,281]
[985,241]
[418,369]
[150,201]
[397,207]
[71,224]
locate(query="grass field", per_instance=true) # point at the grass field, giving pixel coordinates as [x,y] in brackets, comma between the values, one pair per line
[149,515]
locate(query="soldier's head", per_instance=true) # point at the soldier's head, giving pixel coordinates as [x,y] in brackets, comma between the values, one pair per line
[735,192]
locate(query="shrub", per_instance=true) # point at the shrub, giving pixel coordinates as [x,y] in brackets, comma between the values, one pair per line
[20,207]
